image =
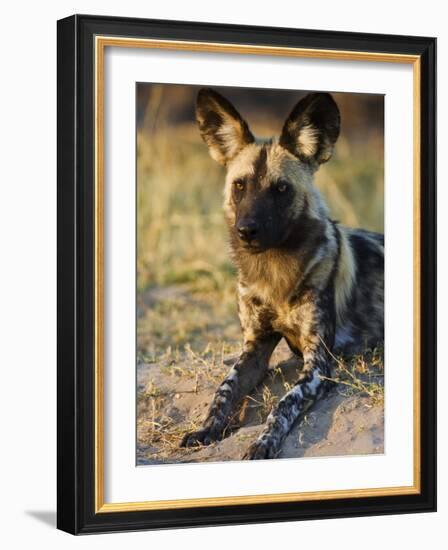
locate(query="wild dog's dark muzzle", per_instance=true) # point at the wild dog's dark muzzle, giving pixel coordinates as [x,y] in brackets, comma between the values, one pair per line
[247,230]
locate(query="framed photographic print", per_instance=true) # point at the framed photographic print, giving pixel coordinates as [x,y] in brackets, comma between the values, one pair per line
[246,274]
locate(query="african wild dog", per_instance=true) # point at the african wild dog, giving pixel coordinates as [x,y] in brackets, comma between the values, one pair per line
[302,276]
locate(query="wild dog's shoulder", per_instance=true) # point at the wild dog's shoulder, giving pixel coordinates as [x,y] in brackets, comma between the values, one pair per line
[364,310]
[364,237]
[367,247]
[360,264]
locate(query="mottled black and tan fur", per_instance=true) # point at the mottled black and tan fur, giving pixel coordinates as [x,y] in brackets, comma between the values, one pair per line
[301,275]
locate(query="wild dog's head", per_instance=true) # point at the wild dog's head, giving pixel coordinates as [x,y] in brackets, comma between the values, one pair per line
[269,191]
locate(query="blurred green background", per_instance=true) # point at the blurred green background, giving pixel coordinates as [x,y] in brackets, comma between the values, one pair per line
[185,281]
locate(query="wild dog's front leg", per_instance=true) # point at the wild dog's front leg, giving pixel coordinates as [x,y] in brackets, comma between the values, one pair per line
[248,371]
[310,386]
[312,331]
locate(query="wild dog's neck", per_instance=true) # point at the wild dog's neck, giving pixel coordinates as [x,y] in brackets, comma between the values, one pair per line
[275,273]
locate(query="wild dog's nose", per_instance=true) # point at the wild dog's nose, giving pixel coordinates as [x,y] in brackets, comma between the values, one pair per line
[247,230]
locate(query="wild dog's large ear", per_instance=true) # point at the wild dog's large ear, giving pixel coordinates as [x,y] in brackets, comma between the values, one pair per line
[312,128]
[221,126]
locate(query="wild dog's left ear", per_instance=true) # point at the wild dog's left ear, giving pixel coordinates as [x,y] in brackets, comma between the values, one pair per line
[312,128]
[221,126]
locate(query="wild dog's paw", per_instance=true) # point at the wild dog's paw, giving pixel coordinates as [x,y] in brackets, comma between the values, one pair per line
[204,436]
[262,448]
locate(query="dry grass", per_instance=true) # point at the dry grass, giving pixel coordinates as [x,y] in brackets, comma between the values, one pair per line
[159,430]
[185,374]
[361,374]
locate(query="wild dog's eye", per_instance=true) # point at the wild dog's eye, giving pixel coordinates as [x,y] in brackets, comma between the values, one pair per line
[281,186]
[239,184]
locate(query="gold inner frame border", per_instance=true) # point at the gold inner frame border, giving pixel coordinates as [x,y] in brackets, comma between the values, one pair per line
[100,44]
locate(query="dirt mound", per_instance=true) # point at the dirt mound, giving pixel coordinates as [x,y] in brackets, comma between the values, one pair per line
[174,393]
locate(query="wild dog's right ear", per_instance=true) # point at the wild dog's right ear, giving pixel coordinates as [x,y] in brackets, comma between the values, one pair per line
[221,126]
[312,128]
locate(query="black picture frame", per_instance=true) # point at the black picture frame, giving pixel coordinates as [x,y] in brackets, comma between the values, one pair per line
[76,255]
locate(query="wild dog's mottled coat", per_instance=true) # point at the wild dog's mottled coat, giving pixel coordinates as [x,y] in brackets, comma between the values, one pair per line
[302,276]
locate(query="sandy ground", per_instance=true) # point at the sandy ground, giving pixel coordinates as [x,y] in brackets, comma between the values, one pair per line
[173,395]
